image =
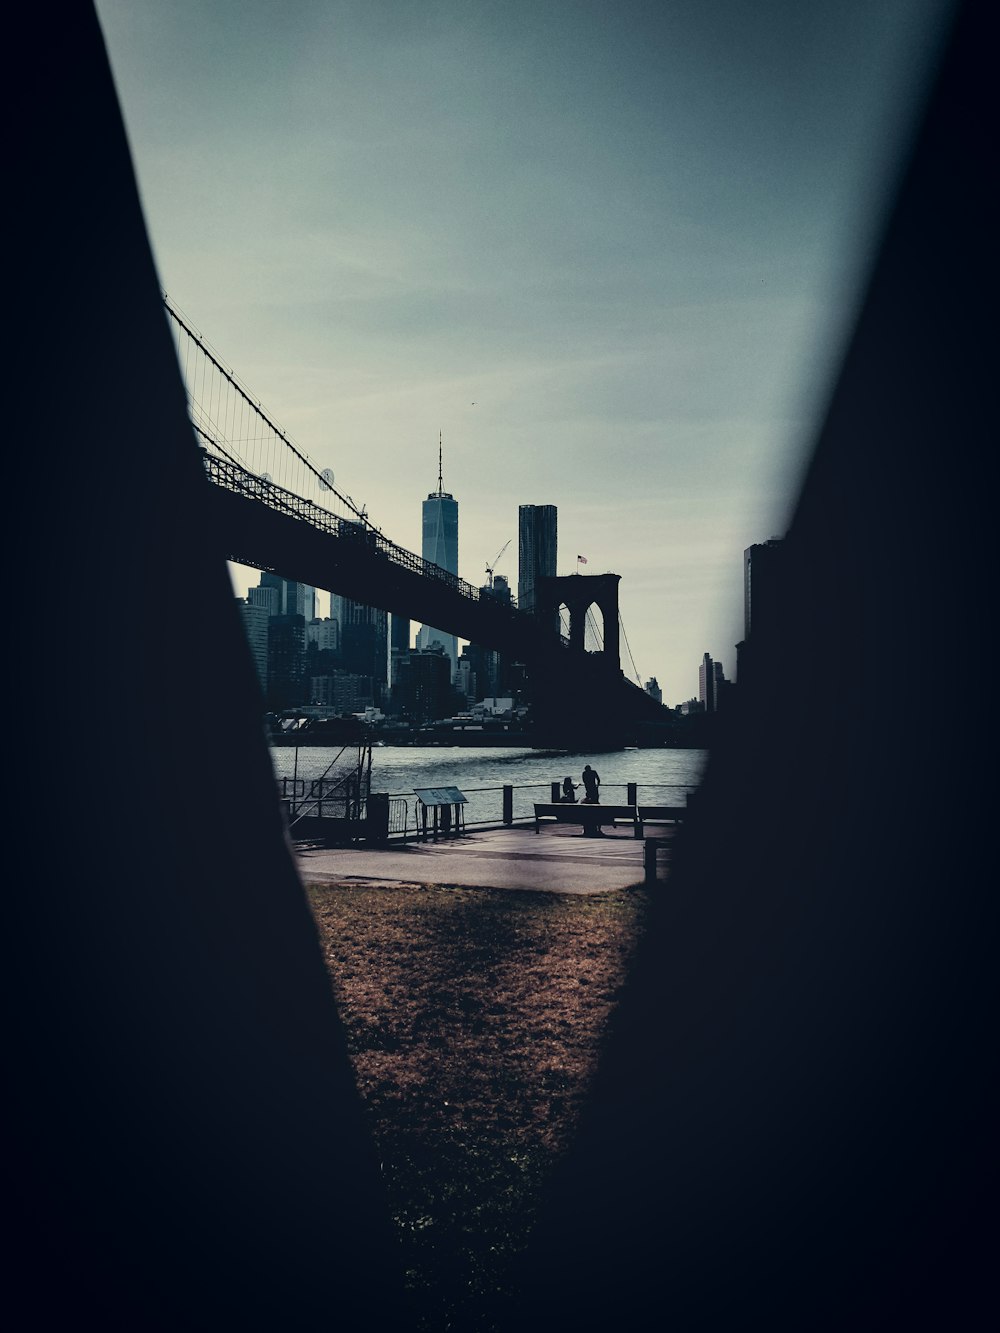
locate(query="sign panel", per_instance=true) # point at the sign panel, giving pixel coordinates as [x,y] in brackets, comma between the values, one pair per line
[440,795]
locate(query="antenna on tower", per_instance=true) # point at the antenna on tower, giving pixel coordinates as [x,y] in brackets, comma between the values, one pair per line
[440,479]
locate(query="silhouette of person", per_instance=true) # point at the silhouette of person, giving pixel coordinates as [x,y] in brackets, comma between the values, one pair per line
[569,790]
[591,783]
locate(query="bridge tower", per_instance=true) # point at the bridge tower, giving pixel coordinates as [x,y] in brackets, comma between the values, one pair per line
[578,592]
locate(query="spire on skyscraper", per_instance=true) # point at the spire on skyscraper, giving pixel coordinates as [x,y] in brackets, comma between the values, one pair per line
[439,522]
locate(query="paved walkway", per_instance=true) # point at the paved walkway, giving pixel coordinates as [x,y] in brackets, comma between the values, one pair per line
[556,860]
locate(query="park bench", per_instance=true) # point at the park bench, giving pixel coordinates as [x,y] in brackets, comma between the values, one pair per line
[589,816]
[661,814]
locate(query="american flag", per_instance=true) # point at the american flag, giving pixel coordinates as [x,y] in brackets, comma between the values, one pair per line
[581,559]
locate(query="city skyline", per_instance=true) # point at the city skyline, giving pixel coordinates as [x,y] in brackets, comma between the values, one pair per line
[613,259]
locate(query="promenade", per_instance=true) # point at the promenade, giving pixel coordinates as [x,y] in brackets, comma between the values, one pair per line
[556,860]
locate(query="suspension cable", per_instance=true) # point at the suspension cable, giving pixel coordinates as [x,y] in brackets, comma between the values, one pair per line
[255,406]
[630,657]
[597,633]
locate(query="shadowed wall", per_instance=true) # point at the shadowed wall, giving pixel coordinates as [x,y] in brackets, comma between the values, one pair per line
[793,1127]
[791,1124]
[188,1143]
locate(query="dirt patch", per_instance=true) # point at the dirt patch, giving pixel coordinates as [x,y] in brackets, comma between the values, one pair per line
[474,1021]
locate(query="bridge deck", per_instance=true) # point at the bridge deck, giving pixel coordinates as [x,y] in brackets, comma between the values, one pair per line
[561,860]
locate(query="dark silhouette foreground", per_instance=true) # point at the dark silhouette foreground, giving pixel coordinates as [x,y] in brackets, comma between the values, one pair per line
[792,1125]
[187,1135]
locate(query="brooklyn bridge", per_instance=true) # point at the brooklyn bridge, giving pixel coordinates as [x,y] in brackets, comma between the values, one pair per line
[303,527]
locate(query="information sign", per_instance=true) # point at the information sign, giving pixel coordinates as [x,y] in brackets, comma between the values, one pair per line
[440,795]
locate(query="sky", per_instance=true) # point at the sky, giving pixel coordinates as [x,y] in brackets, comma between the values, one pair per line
[610,252]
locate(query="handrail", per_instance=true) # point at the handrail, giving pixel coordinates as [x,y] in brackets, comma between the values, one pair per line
[526,819]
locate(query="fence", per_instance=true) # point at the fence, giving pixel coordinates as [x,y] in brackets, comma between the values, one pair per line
[496,807]
[486,807]
[328,798]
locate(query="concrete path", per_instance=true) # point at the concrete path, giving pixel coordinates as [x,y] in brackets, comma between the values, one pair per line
[556,860]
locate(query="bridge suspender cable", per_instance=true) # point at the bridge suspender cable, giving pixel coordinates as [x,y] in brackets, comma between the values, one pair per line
[592,623]
[256,407]
[630,657]
[217,443]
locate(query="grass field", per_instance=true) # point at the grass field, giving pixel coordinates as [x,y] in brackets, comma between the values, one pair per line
[474,1022]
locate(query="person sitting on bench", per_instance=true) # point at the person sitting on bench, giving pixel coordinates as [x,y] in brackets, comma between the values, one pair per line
[569,791]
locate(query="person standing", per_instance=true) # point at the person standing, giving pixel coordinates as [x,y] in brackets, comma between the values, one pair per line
[592,786]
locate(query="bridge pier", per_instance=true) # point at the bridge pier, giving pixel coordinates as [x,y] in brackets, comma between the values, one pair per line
[578,593]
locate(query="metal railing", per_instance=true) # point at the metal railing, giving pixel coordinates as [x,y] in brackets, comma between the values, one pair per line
[484,814]
[229,475]
[508,805]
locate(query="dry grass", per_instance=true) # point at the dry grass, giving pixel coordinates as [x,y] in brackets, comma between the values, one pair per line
[474,1020]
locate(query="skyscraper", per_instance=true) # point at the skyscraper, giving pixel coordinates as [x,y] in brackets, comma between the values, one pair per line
[762,567]
[255,622]
[290,599]
[423,688]
[399,644]
[489,666]
[536,552]
[711,683]
[764,573]
[440,547]
[364,643]
[286,654]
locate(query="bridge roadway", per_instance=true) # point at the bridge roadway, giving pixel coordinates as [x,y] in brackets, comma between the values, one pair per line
[262,525]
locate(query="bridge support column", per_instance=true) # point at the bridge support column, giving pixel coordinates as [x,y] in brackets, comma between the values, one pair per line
[578,592]
[608,602]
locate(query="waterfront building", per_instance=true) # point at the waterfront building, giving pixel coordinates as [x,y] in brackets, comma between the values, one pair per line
[290,597]
[762,565]
[764,570]
[399,644]
[286,641]
[341,692]
[324,634]
[423,688]
[364,643]
[500,591]
[652,688]
[536,553]
[498,707]
[255,623]
[484,666]
[266,597]
[465,677]
[488,664]
[439,545]
[711,684]
[322,656]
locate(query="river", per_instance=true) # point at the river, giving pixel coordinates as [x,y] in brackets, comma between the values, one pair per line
[663,776]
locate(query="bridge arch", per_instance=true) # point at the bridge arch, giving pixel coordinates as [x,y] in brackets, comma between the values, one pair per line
[579,592]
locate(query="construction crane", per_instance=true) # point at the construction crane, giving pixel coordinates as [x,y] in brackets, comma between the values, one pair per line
[496,561]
